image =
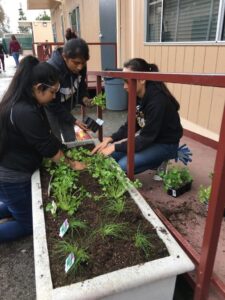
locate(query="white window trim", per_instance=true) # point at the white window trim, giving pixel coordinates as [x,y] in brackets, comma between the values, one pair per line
[218,41]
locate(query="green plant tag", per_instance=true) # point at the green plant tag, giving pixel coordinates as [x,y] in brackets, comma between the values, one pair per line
[69,262]
[63,229]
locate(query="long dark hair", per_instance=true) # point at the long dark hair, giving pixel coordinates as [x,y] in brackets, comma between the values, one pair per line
[76,48]
[29,73]
[140,65]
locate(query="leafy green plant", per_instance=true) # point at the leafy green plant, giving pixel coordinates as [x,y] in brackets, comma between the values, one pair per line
[142,242]
[113,229]
[64,248]
[99,100]
[204,194]
[52,207]
[176,177]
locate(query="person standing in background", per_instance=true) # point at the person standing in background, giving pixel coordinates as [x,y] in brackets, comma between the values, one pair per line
[2,58]
[14,49]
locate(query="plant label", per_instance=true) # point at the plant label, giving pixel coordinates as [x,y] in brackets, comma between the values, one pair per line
[63,229]
[99,122]
[69,261]
[174,193]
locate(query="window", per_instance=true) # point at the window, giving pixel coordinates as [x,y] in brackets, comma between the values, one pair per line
[75,20]
[185,20]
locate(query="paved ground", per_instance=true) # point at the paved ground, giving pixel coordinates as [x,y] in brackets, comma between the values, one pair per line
[16,259]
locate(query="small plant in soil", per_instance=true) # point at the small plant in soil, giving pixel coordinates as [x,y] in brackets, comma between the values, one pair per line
[113,230]
[64,248]
[176,177]
[142,242]
[205,192]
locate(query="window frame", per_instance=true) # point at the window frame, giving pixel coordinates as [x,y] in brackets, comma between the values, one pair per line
[220,22]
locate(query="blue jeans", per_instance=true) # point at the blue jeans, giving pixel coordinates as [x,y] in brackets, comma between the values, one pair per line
[16,55]
[15,202]
[149,158]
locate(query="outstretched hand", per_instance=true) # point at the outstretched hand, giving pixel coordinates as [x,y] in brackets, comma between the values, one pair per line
[98,148]
[184,154]
[81,125]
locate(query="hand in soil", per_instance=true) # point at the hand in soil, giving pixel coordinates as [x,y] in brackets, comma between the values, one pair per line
[77,165]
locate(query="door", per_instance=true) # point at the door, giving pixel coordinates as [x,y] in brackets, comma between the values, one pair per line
[107,13]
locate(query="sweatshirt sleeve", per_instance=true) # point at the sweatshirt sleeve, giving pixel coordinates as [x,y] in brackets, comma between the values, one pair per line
[60,111]
[36,132]
[154,114]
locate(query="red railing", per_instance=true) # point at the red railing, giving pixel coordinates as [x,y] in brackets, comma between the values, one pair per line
[44,50]
[214,218]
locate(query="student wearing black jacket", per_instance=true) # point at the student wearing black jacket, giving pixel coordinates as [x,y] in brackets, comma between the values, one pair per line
[2,58]
[70,61]
[157,123]
[25,138]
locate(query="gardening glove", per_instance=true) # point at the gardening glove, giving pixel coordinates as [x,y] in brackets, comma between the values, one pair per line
[184,154]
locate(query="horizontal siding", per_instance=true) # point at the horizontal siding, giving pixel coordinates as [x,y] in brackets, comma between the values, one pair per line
[202,106]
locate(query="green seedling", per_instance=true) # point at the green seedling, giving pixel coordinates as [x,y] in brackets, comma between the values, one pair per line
[99,100]
[114,230]
[142,242]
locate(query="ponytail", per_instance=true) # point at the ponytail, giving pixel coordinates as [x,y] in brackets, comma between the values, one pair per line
[140,65]
[29,72]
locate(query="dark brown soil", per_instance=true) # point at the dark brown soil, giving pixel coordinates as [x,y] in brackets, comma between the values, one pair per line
[106,254]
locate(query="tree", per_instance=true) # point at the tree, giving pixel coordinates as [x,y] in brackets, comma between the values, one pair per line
[43,17]
[4,21]
[22,17]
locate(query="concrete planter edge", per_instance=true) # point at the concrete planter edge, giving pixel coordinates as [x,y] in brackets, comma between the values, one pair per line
[156,278]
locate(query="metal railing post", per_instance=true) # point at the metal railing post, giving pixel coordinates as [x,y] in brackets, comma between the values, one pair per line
[131,127]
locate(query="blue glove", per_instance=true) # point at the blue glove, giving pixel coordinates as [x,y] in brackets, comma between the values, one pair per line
[184,154]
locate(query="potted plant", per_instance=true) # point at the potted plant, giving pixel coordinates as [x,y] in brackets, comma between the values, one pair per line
[156,278]
[176,180]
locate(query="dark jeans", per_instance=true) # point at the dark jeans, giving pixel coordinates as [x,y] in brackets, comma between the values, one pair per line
[149,158]
[15,202]
[59,128]
[2,61]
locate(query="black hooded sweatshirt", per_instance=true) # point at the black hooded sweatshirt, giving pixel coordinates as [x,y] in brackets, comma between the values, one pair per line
[156,118]
[73,89]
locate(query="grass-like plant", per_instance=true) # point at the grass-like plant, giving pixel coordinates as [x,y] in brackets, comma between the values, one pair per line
[64,248]
[142,242]
[115,206]
[115,230]
[76,225]
[204,194]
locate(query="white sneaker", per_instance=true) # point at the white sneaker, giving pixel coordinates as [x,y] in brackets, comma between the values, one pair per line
[161,168]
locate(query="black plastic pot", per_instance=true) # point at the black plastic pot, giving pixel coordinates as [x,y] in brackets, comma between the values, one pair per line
[176,193]
[91,124]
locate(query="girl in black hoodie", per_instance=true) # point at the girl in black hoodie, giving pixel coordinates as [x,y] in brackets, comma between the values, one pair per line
[157,123]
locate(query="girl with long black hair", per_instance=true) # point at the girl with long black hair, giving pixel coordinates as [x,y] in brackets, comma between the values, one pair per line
[25,138]
[158,124]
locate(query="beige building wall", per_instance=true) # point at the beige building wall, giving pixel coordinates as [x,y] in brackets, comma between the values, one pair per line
[89,25]
[201,107]
[42,31]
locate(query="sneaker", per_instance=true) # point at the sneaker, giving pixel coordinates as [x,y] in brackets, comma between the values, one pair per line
[161,168]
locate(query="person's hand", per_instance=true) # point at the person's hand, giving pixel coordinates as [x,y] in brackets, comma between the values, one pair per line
[184,154]
[87,102]
[81,125]
[77,165]
[107,150]
[102,145]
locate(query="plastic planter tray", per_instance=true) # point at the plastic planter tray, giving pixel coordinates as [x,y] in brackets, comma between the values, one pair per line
[176,193]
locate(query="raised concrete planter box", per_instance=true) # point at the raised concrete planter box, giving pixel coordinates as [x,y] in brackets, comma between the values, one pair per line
[153,280]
